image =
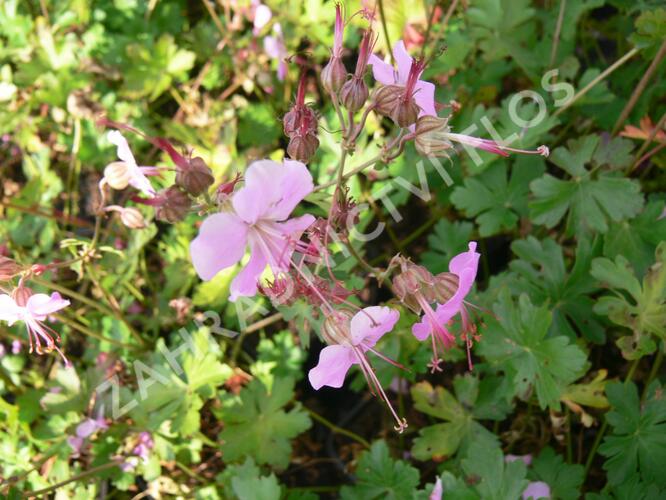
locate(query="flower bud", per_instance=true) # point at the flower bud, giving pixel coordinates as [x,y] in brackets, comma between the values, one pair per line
[334,75]
[174,205]
[117,175]
[132,218]
[21,294]
[354,93]
[300,120]
[446,286]
[406,112]
[196,178]
[302,147]
[412,285]
[386,99]
[336,328]
[431,136]
[8,268]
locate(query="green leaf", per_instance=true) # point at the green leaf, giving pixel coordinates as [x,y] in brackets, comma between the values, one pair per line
[637,239]
[379,476]
[492,478]
[245,482]
[446,240]
[541,273]
[518,344]
[281,350]
[641,308]
[459,429]
[638,441]
[591,198]
[496,201]
[650,29]
[256,425]
[564,479]
[258,126]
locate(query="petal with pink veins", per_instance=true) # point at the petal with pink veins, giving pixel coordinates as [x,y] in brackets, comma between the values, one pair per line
[370,324]
[334,363]
[220,244]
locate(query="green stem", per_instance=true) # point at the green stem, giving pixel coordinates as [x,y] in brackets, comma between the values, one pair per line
[82,475]
[656,365]
[336,429]
[604,426]
[87,331]
[382,16]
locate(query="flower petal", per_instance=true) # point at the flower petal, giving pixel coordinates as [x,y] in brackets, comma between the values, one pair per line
[10,311]
[41,305]
[124,151]
[220,244]
[262,15]
[245,282]
[371,323]
[465,266]
[536,490]
[334,363]
[139,181]
[422,329]
[381,71]
[271,190]
[403,60]
[424,95]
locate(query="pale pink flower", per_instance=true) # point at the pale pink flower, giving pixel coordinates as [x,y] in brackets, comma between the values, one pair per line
[259,218]
[146,443]
[33,314]
[408,73]
[276,49]
[137,174]
[84,430]
[17,347]
[262,16]
[349,338]
[436,491]
[433,324]
[493,146]
[536,490]
[526,459]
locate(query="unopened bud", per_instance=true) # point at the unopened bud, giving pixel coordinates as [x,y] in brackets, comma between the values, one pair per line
[406,112]
[334,75]
[412,284]
[446,286]
[302,147]
[392,101]
[132,218]
[354,93]
[196,178]
[431,136]
[174,205]
[336,328]
[21,294]
[8,268]
[300,120]
[117,175]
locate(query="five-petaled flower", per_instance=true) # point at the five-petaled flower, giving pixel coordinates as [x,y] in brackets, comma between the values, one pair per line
[349,337]
[259,218]
[408,73]
[33,312]
[433,324]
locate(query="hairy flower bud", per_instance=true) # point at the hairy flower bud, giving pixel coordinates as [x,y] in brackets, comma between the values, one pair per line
[303,147]
[334,75]
[8,268]
[196,178]
[386,99]
[354,93]
[431,136]
[174,205]
[21,294]
[406,112]
[336,327]
[446,285]
[117,175]
[132,218]
[413,285]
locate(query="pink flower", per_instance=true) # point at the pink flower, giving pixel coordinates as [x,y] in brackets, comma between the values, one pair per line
[136,174]
[16,347]
[33,313]
[258,218]
[463,267]
[492,146]
[349,338]
[275,49]
[146,443]
[536,490]
[526,459]
[408,73]
[436,491]
[262,16]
